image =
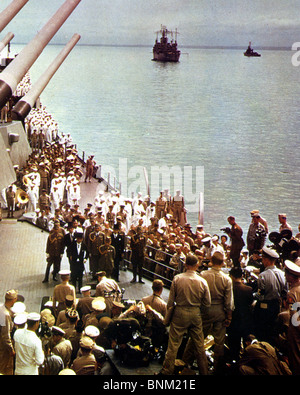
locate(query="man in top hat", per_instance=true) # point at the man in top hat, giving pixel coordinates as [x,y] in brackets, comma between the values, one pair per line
[78,257]
[61,291]
[29,350]
[118,242]
[271,286]
[7,351]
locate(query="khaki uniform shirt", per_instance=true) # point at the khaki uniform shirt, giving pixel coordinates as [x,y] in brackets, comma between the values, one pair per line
[188,289]
[6,345]
[220,286]
[157,303]
[64,350]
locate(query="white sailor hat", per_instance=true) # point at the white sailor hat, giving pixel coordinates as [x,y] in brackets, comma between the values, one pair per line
[270,252]
[206,239]
[92,331]
[65,272]
[18,308]
[20,319]
[56,330]
[85,288]
[98,303]
[292,268]
[33,317]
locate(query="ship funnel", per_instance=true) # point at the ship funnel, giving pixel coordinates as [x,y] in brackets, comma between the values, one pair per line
[16,70]
[24,106]
[7,39]
[10,12]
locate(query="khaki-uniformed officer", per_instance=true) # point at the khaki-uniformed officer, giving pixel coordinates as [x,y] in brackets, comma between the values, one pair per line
[54,250]
[62,347]
[107,288]
[95,241]
[44,173]
[61,291]
[84,305]
[44,200]
[189,292]
[155,301]
[218,317]
[7,351]
[86,362]
[107,257]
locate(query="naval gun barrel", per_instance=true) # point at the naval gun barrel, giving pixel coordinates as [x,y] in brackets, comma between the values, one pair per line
[10,12]
[24,106]
[16,70]
[7,39]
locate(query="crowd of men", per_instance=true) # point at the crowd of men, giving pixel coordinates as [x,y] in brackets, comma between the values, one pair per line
[240,288]
[72,335]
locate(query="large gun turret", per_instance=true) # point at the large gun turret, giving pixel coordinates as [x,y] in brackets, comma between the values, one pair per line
[24,106]
[16,70]
[10,12]
[6,40]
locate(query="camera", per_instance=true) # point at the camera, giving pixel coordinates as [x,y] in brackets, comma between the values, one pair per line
[226,230]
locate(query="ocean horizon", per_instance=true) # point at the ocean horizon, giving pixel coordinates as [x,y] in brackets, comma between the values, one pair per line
[216,123]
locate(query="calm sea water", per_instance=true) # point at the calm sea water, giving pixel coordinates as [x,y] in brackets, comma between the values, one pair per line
[237,119]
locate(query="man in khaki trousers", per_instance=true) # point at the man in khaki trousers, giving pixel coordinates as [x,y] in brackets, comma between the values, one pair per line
[189,292]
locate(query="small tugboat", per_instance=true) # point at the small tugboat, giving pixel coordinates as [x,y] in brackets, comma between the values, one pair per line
[250,53]
[164,51]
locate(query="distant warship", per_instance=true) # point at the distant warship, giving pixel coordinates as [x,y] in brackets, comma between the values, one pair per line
[250,53]
[164,51]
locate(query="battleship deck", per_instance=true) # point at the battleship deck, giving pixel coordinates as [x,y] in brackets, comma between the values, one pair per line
[23,259]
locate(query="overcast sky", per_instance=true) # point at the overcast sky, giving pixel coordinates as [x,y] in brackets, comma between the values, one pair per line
[134,22]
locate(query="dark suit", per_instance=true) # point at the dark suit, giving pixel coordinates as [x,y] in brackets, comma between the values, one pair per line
[242,318]
[77,257]
[117,241]
[69,240]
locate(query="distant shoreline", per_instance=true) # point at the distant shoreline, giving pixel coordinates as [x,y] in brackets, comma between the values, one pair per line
[239,48]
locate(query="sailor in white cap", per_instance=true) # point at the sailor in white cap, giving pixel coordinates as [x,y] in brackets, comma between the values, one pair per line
[20,320]
[207,247]
[271,285]
[28,347]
